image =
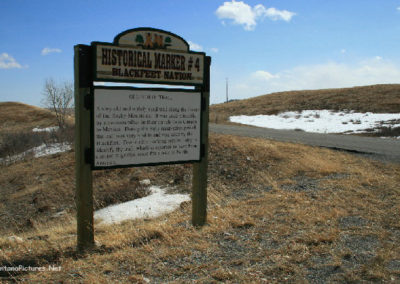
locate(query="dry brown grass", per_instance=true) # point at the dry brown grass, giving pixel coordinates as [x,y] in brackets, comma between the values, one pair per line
[17,121]
[16,117]
[277,212]
[376,98]
[36,189]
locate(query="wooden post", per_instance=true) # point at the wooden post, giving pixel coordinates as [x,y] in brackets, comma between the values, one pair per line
[199,182]
[83,172]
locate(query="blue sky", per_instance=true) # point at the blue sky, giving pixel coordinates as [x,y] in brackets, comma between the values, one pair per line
[261,46]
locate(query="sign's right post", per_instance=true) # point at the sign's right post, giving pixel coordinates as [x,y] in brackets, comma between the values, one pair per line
[199,182]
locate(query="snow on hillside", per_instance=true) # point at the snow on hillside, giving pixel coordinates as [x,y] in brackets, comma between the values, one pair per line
[47,129]
[39,151]
[45,150]
[322,121]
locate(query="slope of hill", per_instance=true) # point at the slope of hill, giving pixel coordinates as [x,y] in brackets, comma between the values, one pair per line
[375,98]
[16,117]
[18,120]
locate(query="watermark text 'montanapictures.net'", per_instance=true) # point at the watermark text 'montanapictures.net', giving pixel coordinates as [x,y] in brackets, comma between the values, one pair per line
[22,268]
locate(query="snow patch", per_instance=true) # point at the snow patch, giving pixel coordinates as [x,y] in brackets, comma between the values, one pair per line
[45,150]
[322,121]
[145,182]
[39,151]
[47,129]
[151,206]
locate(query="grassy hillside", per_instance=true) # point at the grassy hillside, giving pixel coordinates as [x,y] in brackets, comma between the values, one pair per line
[16,117]
[276,212]
[16,123]
[376,98]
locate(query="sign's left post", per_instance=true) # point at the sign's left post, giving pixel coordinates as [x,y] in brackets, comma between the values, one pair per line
[83,173]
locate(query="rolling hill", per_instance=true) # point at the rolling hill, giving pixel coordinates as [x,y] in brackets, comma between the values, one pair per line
[15,116]
[375,98]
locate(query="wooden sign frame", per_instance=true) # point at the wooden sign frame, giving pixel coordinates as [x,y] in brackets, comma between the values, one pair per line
[85,74]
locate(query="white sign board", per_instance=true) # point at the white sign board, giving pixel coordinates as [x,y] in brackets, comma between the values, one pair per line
[140,127]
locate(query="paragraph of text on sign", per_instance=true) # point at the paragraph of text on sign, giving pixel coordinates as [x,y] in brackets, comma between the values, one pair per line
[133,127]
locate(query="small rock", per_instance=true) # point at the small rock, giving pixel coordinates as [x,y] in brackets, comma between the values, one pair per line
[394,265]
[134,179]
[15,239]
[352,221]
[76,275]
[40,238]
[59,214]
[108,272]
[43,209]
[145,182]
[30,223]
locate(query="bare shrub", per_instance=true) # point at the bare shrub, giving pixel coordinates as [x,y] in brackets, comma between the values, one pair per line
[64,135]
[15,143]
[389,131]
[18,142]
[59,98]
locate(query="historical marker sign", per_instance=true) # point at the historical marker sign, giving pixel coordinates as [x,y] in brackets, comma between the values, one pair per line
[137,127]
[145,126]
[148,56]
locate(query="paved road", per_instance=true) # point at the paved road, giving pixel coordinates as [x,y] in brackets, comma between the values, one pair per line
[376,148]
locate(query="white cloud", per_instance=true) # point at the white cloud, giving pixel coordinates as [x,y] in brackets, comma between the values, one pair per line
[343,51]
[214,49]
[239,12]
[264,75]
[273,13]
[243,14]
[8,62]
[371,71]
[194,46]
[48,50]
